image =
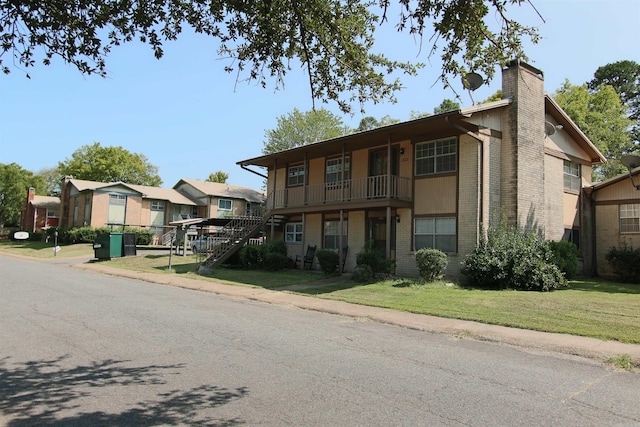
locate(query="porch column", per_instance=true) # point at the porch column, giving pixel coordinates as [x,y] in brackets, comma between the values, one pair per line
[388,233]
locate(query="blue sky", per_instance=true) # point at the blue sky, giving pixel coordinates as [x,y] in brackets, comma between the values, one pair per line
[190,118]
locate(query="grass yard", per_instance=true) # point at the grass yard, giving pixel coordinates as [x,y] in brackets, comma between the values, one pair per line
[45,249]
[594,308]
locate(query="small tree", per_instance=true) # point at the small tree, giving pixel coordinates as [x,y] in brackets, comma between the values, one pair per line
[328,260]
[431,263]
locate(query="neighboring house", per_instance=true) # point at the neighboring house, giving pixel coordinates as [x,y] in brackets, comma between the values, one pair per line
[40,212]
[437,181]
[615,210]
[222,200]
[100,204]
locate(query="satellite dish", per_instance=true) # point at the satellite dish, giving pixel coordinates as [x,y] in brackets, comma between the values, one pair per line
[472,81]
[630,161]
[550,128]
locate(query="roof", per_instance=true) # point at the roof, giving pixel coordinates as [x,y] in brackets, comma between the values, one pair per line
[573,130]
[224,190]
[147,192]
[607,182]
[436,126]
[45,201]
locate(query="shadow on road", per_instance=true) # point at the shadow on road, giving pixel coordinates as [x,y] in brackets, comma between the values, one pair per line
[47,393]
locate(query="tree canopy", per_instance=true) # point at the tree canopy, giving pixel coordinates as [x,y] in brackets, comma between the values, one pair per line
[14,183]
[332,40]
[603,118]
[446,105]
[218,176]
[110,164]
[370,122]
[624,77]
[297,128]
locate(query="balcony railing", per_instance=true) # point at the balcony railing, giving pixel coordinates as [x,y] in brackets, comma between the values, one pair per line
[351,190]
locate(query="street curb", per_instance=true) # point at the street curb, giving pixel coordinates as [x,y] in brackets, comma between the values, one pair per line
[590,348]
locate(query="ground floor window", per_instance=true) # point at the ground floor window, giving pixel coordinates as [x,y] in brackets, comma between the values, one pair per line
[332,234]
[436,233]
[293,232]
[572,235]
[117,207]
[630,218]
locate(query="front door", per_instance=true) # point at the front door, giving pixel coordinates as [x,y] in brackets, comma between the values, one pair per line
[378,170]
[378,234]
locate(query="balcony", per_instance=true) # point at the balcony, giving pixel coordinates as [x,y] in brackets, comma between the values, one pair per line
[374,190]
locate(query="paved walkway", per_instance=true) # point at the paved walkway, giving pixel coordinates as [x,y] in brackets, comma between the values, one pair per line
[459,329]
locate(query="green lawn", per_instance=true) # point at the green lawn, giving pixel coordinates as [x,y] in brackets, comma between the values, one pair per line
[593,308]
[45,250]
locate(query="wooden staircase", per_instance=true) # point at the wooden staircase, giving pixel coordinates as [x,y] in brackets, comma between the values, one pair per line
[235,234]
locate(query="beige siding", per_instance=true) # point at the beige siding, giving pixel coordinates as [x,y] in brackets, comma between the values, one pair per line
[360,164]
[435,195]
[571,210]
[316,171]
[622,190]
[555,198]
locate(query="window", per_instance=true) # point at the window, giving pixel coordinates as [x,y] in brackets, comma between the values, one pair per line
[572,235]
[436,233]
[630,218]
[334,170]
[224,204]
[52,213]
[293,232]
[572,180]
[75,211]
[295,176]
[157,206]
[87,209]
[436,156]
[332,234]
[117,205]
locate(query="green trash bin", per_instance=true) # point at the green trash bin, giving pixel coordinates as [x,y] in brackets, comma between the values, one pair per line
[108,245]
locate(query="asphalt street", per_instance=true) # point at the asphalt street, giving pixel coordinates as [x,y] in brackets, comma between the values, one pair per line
[85,348]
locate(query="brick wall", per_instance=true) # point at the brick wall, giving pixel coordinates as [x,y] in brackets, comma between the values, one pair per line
[523,158]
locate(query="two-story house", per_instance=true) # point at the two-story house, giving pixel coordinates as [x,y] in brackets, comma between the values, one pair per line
[437,181]
[100,204]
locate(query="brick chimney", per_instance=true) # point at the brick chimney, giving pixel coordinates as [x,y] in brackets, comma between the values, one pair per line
[522,184]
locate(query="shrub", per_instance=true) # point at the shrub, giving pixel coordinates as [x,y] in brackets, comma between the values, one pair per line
[565,256]
[36,237]
[143,236]
[625,262]
[509,258]
[250,256]
[328,260]
[276,247]
[375,259]
[274,261]
[431,263]
[363,273]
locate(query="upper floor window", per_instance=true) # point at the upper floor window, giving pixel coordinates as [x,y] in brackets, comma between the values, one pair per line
[293,232]
[630,218]
[436,156]
[436,233]
[157,205]
[335,171]
[295,175]
[224,204]
[572,181]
